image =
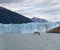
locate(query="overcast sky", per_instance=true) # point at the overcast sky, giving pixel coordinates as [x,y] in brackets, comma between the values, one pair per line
[46,9]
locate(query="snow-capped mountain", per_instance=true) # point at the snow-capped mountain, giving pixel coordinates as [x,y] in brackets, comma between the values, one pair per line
[36,19]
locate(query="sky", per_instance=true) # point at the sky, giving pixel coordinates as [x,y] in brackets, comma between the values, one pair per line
[46,9]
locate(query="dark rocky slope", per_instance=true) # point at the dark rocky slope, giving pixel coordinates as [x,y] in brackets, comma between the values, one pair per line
[8,16]
[55,30]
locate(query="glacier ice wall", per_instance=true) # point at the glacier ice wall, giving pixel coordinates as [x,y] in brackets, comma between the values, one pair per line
[27,28]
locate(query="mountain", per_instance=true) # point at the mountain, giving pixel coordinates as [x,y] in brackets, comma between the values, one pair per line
[8,16]
[54,30]
[35,19]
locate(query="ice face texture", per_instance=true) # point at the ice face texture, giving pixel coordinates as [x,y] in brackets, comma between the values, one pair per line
[27,28]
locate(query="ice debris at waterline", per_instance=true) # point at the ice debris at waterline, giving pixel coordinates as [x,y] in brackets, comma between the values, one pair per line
[27,28]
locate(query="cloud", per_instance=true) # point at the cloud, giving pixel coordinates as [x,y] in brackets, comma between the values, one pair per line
[47,9]
[10,1]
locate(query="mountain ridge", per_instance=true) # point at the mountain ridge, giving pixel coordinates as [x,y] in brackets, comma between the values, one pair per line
[8,16]
[36,19]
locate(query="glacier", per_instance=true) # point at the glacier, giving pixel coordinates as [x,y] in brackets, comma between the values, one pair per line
[27,28]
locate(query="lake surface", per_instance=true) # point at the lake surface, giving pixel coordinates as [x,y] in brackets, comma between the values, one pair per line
[44,41]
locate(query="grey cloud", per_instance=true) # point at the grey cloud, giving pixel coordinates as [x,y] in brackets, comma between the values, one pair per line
[32,7]
[10,1]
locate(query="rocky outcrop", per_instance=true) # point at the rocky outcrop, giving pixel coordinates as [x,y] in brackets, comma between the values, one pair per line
[55,30]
